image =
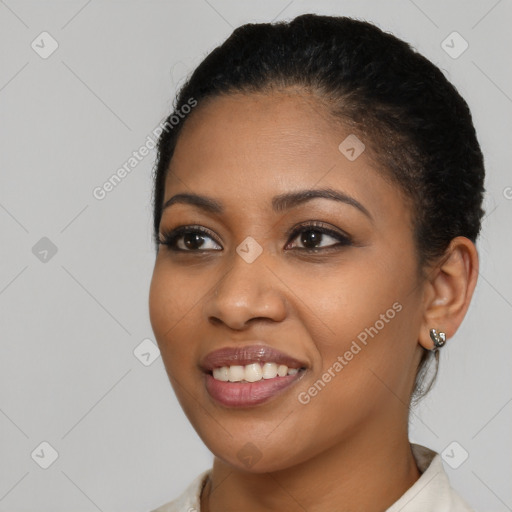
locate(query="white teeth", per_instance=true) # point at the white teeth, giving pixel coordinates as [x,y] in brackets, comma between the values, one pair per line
[236,373]
[221,373]
[252,372]
[282,370]
[269,370]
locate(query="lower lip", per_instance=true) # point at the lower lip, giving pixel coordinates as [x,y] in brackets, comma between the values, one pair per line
[247,394]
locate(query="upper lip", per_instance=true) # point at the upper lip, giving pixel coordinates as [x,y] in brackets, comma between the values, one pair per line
[242,355]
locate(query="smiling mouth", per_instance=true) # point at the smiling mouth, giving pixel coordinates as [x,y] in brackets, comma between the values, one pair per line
[253,372]
[248,375]
[266,382]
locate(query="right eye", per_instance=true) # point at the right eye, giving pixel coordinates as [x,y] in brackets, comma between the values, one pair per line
[187,239]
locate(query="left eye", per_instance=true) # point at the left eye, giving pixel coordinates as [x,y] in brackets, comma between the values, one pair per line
[311,236]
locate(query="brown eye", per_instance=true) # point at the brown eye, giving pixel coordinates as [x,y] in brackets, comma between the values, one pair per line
[313,235]
[188,239]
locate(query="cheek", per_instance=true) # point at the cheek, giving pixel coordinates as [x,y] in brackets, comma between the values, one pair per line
[351,297]
[172,295]
[171,308]
[366,334]
[172,299]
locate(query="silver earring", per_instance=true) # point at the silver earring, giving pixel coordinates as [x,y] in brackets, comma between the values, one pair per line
[439,338]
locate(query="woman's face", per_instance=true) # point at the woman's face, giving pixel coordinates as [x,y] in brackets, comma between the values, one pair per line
[344,304]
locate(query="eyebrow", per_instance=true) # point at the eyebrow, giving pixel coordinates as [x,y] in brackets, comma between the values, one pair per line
[280,203]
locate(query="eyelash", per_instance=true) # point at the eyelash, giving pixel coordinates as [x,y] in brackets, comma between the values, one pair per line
[169,238]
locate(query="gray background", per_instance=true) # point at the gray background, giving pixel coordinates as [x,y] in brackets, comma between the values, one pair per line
[70,321]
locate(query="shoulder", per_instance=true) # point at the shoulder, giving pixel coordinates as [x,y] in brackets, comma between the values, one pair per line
[189,500]
[432,491]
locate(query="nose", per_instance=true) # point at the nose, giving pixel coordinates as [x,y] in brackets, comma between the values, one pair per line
[246,292]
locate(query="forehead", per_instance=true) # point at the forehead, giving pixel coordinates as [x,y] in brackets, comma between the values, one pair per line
[247,148]
[276,128]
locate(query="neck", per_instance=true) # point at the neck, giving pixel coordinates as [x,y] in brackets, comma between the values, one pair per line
[369,471]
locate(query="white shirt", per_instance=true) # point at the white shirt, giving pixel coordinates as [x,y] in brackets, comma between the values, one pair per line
[430,493]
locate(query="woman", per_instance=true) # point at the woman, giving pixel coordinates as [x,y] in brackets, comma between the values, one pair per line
[317,200]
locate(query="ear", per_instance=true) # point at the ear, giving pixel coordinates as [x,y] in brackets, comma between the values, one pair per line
[448,291]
